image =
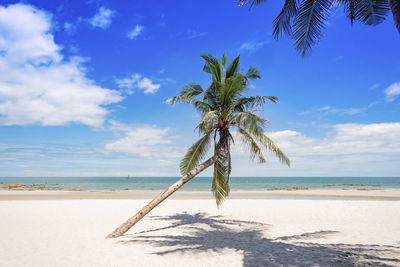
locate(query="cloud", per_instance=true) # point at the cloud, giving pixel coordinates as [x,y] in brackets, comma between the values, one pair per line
[38,86]
[102,18]
[251,46]
[137,81]
[344,150]
[343,139]
[375,86]
[328,110]
[69,27]
[192,34]
[144,141]
[392,92]
[135,32]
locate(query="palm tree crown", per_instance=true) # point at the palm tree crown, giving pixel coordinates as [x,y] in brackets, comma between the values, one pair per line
[223,105]
[305,20]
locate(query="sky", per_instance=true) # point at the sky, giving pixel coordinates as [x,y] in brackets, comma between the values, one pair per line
[82,85]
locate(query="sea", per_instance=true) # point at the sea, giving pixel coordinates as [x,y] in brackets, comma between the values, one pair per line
[204,183]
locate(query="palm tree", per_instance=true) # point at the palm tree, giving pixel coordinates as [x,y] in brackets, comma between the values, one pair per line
[305,20]
[223,106]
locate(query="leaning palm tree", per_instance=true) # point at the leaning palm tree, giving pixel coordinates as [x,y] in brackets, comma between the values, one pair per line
[305,20]
[223,106]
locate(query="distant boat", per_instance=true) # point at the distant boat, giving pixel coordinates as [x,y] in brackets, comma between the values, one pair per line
[129,176]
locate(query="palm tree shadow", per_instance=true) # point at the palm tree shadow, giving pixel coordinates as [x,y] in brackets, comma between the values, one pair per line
[218,233]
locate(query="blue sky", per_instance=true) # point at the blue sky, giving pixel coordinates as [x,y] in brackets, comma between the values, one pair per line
[82,85]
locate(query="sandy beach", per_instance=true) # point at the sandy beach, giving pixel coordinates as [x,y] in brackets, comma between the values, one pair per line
[383,194]
[193,232]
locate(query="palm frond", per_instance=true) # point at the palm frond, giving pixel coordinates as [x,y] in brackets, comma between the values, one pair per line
[233,67]
[186,95]
[268,144]
[211,58]
[213,65]
[309,23]
[253,102]
[223,59]
[255,150]
[195,154]
[395,7]
[210,96]
[228,171]
[370,12]
[218,182]
[201,106]
[253,73]
[349,8]
[248,121]
[222,170]
[208,121]
[253,2]
[283,22]
[231,88]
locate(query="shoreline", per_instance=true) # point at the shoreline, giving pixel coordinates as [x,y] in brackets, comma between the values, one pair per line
[381,194]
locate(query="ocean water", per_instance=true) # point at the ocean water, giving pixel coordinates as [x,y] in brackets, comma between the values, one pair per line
[204,183]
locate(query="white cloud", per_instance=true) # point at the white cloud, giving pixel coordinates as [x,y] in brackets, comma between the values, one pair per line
[192,34]
[392,92]
[37,86]
[345,150]
[344,139]
[135,32]
[102,18]
[144,141]
[251,46]
[69,27]
[328,110]
[374,86]
[137,81]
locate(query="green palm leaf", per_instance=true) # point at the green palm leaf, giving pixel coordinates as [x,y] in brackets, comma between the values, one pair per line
[254,101]
[249,121]
[268,144]
[309,23]
[233,67]
[186,95]
[232,87]
[395,7]
[255,150]
[218,183]
[283,22]
[222,106]
[195,154]
[213,65]
[253,73]
[222,169]
[370,12]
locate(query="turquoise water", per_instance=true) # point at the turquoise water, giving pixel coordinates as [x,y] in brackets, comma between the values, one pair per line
[204,183]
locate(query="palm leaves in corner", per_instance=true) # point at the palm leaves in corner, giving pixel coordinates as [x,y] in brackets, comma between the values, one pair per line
[306,20]
[224,105]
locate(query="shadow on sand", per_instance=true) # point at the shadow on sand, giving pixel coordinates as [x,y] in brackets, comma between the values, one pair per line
[203,233]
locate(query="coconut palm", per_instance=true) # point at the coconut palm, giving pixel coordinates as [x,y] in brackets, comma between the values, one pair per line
[223,106]
[305,20]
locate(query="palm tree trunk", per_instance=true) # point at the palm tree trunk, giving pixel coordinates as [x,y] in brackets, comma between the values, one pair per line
[395,7]
[157,200]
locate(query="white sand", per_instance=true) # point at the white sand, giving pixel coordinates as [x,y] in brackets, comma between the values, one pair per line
[390,194]
[196,233]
